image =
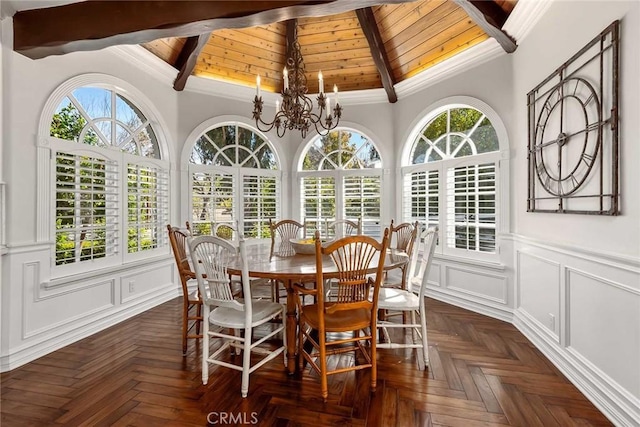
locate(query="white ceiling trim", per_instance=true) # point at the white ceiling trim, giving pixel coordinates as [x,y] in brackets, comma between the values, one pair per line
[524,17]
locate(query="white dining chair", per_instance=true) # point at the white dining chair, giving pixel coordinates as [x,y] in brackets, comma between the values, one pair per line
[222,311]
[411,301]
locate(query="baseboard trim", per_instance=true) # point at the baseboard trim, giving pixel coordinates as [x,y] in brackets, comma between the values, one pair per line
[503,313]
[32,351]
[615,403]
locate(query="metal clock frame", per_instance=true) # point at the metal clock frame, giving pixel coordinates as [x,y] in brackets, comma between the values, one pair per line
[604,201]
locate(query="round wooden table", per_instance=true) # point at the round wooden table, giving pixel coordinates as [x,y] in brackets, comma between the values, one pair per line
[288,268]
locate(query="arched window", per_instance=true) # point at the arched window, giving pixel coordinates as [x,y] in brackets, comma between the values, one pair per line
[450,178]
[111,200]
[340,178]
[235,178]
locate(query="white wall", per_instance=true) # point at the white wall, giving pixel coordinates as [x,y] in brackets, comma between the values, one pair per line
[578,276]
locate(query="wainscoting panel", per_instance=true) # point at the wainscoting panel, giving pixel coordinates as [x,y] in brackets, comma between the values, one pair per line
[604,325]
[41,315]
[595,299]
[539,289]
[477,284]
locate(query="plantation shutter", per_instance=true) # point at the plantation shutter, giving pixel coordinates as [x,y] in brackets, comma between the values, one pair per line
[212,200]
[471,207]
[259,201]
[362,200]
[318,202]
[421,197]
[147,206]
[86,208]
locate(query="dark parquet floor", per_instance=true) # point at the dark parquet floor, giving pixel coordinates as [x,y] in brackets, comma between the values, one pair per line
[483,372]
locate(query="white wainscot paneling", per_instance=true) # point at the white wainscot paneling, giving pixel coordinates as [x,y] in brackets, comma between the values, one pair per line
[42,313]
[604,326]
[539,290]
[477,284]
[143,283]
[434,274]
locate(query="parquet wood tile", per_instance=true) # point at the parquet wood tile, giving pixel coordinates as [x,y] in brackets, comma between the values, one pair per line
[483,372]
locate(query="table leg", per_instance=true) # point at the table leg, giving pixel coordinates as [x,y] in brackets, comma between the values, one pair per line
[292,326]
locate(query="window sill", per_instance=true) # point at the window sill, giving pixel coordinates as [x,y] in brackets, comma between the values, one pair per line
[79,277]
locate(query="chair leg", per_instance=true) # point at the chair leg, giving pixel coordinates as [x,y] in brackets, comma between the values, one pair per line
[323,365]
[425,342]
[198,314]
[185,324]
[205,351]
[246,362]
[374,370]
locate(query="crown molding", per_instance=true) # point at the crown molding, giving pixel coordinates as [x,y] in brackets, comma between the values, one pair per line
[524,17]
[146,61]
[475,55]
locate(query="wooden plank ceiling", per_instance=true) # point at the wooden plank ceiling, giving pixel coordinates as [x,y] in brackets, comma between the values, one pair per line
[415,36]
[357,44]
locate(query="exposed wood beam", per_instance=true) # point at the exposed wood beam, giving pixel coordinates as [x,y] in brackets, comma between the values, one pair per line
[378,53]
[93,25]
[490,17]
[187,59]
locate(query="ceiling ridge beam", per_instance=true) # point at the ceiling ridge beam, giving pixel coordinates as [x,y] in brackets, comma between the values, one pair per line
[490,17]
[188,57]
[371,31]
[94,25]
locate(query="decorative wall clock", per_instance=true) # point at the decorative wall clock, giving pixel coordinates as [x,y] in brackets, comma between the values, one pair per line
[573,133]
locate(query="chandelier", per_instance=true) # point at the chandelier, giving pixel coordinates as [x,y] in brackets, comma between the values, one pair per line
[296,111]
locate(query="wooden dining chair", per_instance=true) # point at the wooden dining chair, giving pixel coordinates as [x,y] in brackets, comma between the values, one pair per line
[411,301]
[281,233]
[191,301]
[403,237]
[352,310]
[224,313]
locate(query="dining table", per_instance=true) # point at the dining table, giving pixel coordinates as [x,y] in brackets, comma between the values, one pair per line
[289,267]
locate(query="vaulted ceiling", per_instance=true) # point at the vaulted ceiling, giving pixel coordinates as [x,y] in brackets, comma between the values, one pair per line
[357,44]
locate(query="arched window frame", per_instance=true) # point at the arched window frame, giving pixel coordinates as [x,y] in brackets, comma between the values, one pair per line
[372,227]
[500,158]
[236,174]
[124,191]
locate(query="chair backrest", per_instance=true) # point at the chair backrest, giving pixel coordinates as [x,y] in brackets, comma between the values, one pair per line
[211,257]
[344,227]
[226,230]
[178,238]
[430,239]
[354,257]
[405,234]
[283,231]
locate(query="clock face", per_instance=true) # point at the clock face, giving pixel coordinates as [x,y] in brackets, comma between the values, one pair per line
[567,136]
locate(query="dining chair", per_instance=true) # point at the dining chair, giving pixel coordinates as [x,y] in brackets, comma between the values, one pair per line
[352,310]
[281,233]
[402,238]
[191,301]
[229,231]
[226,230]
[211,257]
[412,302]
[343,228]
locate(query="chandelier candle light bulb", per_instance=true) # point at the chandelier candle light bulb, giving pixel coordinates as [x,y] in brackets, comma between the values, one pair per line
[285,76]
[320,82]
[258,86]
